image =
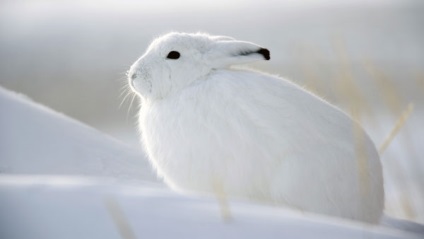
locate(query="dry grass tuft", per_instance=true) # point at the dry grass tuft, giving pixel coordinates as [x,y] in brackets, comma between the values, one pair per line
[388,91]
[119,218]
[222,201]
[398,125]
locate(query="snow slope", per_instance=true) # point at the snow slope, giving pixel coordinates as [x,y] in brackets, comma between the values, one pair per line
[62,179]
[37,140]
[81,208]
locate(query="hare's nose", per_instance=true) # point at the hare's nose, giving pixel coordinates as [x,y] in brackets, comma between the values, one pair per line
[133,76]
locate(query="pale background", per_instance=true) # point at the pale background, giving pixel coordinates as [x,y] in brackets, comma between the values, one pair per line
[72,56]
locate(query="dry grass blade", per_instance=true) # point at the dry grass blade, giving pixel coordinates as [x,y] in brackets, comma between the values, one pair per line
[346,85]
[119,219]
[309,69]
[387,89]
[353,98]
[222,201]
[399,123]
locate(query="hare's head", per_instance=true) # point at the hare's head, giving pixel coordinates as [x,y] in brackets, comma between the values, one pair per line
[175,60]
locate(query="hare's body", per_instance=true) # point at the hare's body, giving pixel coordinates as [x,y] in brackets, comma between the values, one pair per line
[258,136]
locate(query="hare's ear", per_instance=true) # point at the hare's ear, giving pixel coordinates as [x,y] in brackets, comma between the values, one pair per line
[231,52]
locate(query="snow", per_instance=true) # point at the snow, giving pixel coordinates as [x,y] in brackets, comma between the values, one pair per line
[37,140]
[62,179]
[78,208]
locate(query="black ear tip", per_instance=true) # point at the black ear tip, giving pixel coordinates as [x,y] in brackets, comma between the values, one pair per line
[265,53]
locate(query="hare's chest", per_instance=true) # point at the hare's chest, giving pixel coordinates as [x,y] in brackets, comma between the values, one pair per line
[185,142]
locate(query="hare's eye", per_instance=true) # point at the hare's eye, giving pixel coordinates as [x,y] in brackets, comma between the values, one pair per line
[173,55]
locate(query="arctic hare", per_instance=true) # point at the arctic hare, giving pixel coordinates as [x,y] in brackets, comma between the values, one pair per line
[256,135]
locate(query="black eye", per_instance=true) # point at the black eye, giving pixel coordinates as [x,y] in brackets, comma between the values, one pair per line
[173,55]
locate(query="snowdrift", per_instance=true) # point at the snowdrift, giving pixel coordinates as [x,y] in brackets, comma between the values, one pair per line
[36,140]
[62,179]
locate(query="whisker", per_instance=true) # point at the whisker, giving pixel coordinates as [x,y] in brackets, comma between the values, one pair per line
[125,97]
[131,103]
[124,90]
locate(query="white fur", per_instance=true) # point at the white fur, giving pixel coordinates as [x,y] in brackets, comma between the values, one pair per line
[257,135]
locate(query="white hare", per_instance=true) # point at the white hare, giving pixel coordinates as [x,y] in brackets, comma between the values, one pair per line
[257,136]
